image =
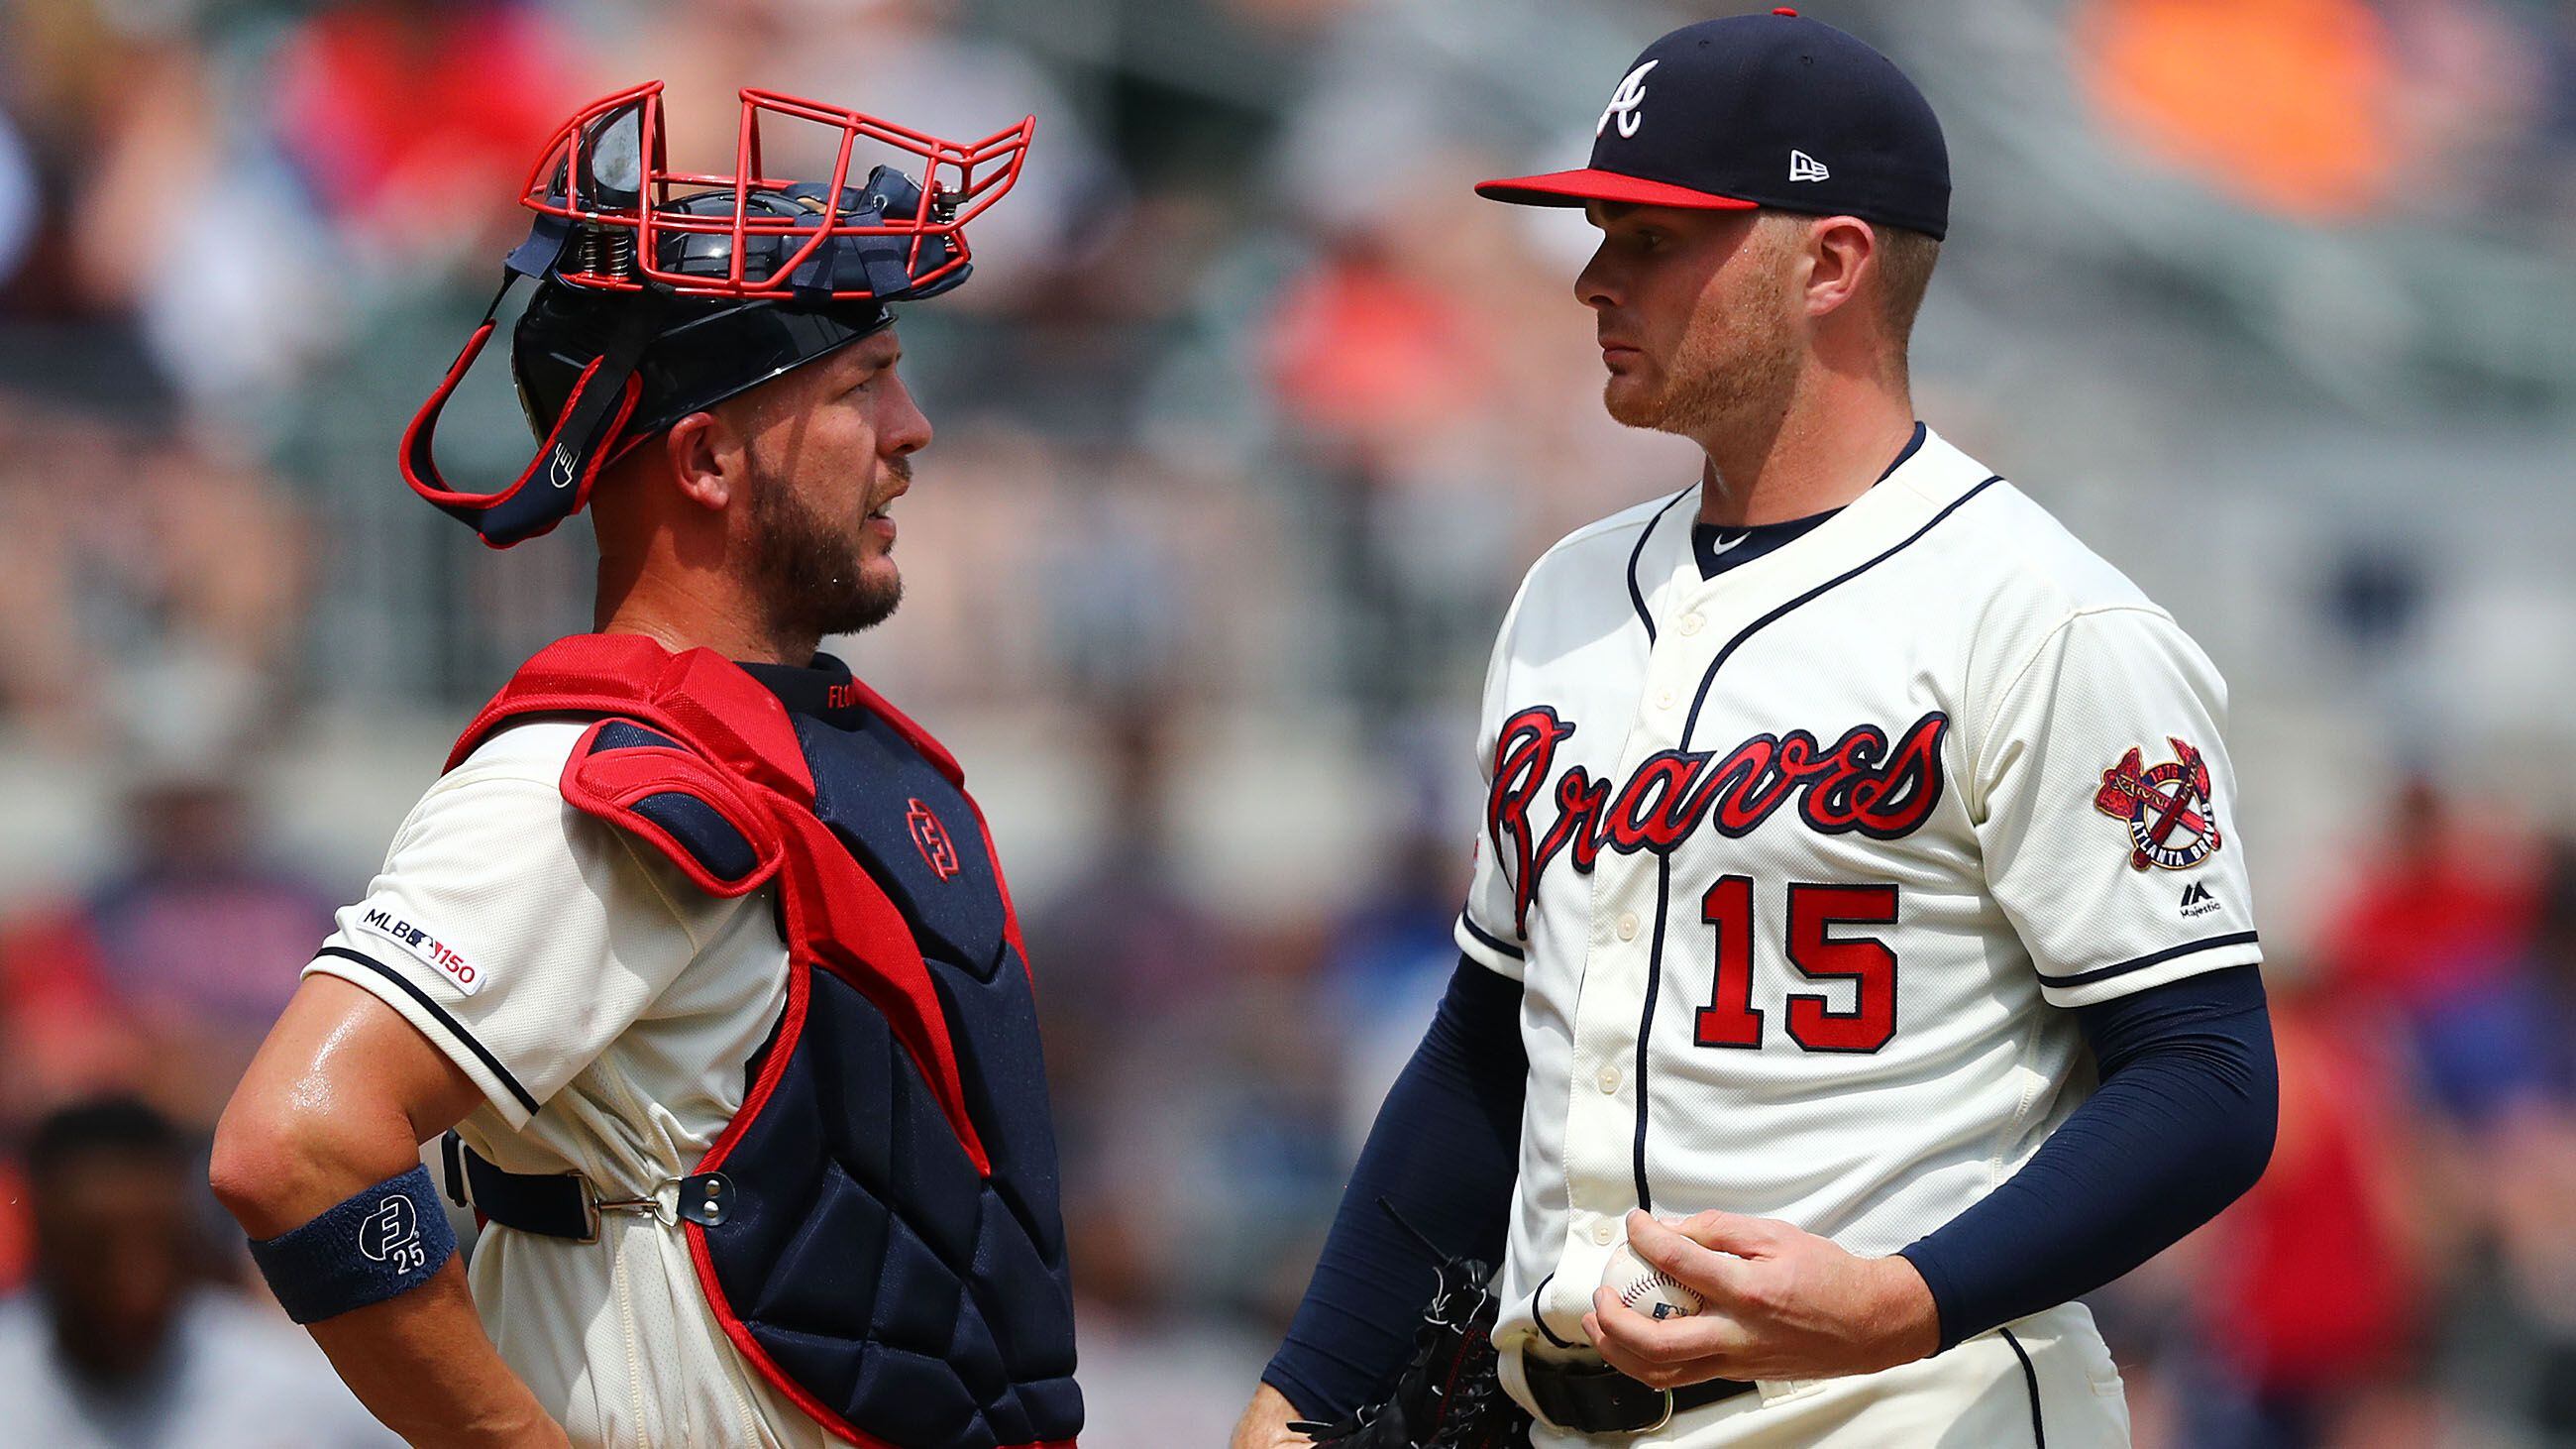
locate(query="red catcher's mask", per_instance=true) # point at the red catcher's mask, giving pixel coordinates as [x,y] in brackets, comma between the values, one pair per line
[762,273]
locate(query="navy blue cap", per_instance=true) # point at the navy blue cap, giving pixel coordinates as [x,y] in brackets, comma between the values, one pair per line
[1761,110]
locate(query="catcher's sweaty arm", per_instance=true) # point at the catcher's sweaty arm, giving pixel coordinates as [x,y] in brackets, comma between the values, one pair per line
[340,1095]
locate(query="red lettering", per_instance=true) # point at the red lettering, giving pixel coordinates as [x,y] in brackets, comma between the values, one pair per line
[1522,756]
[1861,783]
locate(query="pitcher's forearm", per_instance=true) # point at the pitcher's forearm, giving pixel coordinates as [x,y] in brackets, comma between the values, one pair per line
[1265,1421]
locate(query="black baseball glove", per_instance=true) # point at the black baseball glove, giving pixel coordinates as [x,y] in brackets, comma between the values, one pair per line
[1448,1396]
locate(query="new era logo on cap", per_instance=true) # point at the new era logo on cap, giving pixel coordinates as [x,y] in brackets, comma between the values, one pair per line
[1761,111]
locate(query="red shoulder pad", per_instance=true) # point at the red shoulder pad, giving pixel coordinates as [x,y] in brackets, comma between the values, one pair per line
[648,784]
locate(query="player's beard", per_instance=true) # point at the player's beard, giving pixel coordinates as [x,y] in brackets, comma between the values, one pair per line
[1735,367]
[813,580]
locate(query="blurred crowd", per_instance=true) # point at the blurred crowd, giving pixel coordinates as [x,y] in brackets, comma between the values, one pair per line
[1247,427]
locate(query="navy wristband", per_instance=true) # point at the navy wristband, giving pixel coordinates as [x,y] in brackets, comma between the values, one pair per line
[379,1243]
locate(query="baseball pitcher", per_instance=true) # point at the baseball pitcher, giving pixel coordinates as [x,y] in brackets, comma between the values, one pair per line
[1860,964]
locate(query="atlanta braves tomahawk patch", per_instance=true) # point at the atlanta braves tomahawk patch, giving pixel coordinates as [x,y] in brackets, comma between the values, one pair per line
[2173,823]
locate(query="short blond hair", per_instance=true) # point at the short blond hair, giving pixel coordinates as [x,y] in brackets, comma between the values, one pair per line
[1905,262]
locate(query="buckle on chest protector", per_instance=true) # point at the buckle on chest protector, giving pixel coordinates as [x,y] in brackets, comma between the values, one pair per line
[704,1198]
[561,1204]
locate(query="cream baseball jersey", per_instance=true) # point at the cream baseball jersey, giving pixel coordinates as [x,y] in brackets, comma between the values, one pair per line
[605,1006]
[1799,864]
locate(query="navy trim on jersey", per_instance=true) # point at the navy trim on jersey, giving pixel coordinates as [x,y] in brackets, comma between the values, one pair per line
[1810,596]
[1913,445]
[2158,958]
[1646,1019]
[1755,542]
[2030,1379]
[1636,595]
[481,1052]
[1664,862]
[1489,939]
[1539,1320]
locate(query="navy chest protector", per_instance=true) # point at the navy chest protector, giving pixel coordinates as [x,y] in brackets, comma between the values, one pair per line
[890,1254]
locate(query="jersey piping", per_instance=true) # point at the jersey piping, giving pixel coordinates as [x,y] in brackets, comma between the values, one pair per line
[1664,861]
[1636,594]
[1491,940]
[2153,958]
[453,1027]
[2030,1381]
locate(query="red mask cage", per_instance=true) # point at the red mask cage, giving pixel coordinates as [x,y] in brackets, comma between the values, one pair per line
[586,176]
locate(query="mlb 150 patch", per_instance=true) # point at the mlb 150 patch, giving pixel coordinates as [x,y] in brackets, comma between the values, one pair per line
[424,948]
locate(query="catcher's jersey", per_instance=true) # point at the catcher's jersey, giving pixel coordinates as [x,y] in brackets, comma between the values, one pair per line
[605,1006]
[1797,864]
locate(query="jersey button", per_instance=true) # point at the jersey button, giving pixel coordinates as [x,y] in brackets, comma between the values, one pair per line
[1602,1232]
[1693,623]
[1664,699]
[1609,1081]
[1628,926]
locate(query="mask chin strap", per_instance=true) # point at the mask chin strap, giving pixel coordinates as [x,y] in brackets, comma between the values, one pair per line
[557,481]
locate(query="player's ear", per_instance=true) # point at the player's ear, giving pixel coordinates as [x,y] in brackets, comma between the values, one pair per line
[709,459]
[1839,249]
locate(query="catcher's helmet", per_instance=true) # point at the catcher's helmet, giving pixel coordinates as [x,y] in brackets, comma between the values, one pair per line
[660,293]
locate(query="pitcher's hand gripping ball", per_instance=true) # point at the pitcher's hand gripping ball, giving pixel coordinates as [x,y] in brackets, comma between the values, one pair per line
[1646,1288]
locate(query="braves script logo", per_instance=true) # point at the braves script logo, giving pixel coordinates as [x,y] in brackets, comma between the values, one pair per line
[2172,821]
[931,839]
[1859,783]
[1625,101]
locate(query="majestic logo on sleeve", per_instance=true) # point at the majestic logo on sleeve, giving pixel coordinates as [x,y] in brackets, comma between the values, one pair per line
[1624,103]
[2172,821]
[1860,783]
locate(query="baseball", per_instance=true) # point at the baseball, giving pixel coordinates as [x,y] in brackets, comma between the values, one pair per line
[1646,1288]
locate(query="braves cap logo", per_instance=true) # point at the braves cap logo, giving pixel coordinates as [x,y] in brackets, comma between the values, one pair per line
[931,839]
[1625,101]
[2172,822]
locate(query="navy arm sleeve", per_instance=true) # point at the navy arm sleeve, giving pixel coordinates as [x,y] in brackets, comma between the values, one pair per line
[1444,1152]
[2180,1127]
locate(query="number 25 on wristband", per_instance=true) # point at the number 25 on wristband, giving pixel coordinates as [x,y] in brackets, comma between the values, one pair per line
[1732,1020]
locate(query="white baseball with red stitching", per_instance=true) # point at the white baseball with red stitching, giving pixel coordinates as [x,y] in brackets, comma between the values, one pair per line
[1646,1288]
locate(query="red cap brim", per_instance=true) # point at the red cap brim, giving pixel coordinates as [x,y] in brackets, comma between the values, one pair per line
[1573,188]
